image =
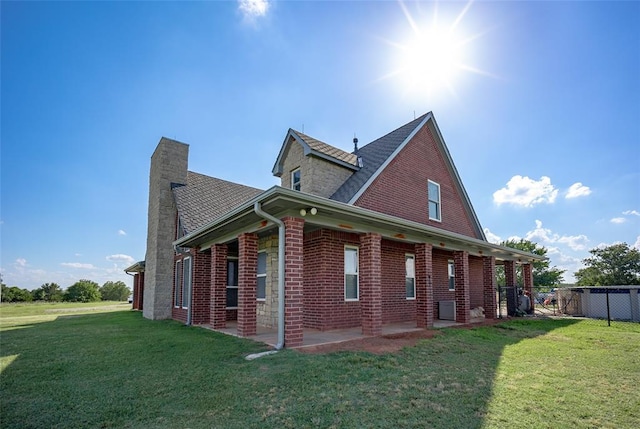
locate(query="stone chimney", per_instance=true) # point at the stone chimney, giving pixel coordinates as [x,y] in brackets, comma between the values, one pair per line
[168,166]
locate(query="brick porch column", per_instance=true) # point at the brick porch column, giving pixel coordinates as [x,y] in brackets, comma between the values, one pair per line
[218,304]
[424,285]
[247,281]
[293,281]
[463,303]
[370,283]
[527,278]
[201,287]
[489,286]
[510,277]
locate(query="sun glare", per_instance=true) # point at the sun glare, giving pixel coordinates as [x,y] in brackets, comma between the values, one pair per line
[434,56]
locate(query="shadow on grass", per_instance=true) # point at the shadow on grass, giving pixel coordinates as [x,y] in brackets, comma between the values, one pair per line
[120,370]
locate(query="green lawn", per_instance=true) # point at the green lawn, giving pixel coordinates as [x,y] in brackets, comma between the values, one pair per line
[116,369]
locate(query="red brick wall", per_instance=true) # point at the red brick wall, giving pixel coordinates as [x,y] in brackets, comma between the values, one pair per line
[370,283]
[424,286]
[476,285]
[461,264]
[218,304]
[489,275]
[247,281]
[201,287]
[401,189]
[395,305]
[294,281]
[324,304]
[138,291]
[441,279]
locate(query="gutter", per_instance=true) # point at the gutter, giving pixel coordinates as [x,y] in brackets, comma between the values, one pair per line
[257,208]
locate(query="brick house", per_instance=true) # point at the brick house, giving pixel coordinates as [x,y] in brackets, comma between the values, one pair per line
[384,234]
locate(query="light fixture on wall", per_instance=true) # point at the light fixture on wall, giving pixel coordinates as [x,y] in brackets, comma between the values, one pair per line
[312,210]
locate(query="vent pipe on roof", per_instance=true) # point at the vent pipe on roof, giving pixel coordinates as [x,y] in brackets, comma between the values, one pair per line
[355,151]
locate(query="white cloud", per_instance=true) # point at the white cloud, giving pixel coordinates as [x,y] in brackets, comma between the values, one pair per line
[576,242]
[78,265]
[526,192]
[491,237]
[577,190]
[545,236]
[122,232]
[21,262]
[636,245]
[631,212]
[120,259]
[252,9]
[618,220]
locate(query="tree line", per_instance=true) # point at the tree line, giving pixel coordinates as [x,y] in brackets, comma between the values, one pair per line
[615,265]
[81,291]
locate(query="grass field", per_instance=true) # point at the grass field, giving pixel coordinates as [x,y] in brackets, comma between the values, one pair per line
[113,369]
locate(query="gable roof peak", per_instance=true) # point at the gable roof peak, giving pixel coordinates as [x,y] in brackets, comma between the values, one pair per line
[314,147]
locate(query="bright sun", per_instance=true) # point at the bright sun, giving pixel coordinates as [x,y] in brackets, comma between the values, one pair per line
[434,57]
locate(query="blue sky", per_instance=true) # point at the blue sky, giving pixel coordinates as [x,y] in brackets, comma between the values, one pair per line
[539,103]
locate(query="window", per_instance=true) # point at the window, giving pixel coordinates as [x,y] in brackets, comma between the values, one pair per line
[177,284]
[295,179]
[434,201]
[410,276]
[186,282]
[232,283]
[261,289]
[351,292]
[452,275]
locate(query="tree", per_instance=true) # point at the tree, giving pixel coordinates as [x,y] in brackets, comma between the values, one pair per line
[83,291]
[50,292]
[543,275]
[615,265]
[14,294]
[115,291]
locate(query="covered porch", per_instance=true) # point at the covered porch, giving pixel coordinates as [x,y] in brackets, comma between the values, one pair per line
[318,306]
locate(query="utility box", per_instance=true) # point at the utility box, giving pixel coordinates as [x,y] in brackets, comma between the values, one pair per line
[447,310]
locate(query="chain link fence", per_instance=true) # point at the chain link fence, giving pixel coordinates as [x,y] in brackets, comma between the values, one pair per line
[610,303]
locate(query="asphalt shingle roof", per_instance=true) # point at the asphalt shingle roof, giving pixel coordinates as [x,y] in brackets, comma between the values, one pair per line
[327,149]
[373,156]
[206,198]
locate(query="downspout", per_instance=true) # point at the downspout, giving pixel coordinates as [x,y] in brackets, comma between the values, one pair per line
[257,208]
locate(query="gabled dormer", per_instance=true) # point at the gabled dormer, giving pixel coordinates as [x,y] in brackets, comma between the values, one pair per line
[309,165]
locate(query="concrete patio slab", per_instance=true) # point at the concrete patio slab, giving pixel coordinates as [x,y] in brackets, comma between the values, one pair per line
[316,337]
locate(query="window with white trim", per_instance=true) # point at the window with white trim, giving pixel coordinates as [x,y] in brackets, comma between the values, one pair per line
[295,179]
[452,275]
[186,282]
[351,282]
[410,275]
[435,211]
[261,287]
[177,286]
[232,282]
